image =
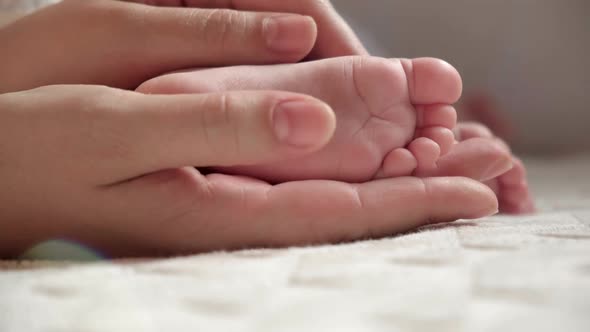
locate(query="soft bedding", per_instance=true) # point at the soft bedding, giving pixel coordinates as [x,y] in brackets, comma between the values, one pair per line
[502,273]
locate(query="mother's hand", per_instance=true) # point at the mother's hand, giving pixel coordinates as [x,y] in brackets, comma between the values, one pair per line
[122,44]
[112,169]
[335,38]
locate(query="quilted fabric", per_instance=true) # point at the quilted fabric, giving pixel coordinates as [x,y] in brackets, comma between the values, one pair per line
[497,274]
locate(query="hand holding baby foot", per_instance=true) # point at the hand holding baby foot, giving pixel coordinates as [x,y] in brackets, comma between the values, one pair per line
[478,159]
[93,158]
[111,169]
[382,105]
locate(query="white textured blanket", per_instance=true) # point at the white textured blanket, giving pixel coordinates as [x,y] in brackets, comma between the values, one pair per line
[497,274]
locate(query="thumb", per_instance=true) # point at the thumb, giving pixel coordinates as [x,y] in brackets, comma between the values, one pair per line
[223,129]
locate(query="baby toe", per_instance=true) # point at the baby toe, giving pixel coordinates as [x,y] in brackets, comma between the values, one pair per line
[432,81]
[426,152]
[444,137]
[399,162]
[436,116]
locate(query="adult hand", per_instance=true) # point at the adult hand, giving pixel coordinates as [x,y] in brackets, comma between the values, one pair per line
[113,169]
[122,44]
[335,38]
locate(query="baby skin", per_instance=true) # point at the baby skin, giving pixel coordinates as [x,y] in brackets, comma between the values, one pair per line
[394,116]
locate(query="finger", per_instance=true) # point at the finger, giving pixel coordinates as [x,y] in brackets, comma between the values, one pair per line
[213,37]
[125,44]
[426,152]
[335,37]
[467,130]
[145,216]
[170,212]
[245,214]
[476,158]
[164,3]
[196,213]
[157,132]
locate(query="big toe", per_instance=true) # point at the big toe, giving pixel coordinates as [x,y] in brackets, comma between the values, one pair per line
[432,81]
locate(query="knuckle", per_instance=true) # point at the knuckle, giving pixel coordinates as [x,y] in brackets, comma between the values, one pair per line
[220,26]
[99,10]
[108,130]
[103,20]
[220,124]
[112,19]
[426,194]
[98,132]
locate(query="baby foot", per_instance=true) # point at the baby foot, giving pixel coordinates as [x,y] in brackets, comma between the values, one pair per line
[393,116]
[511,187]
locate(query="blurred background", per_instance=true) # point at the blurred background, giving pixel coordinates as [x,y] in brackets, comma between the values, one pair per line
[525,63]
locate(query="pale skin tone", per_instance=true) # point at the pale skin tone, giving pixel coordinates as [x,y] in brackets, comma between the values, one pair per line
[420,157]
[392,121]
[113,168]
[380,106]
[394,116]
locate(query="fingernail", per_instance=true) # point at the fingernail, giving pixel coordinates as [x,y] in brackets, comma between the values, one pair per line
[304,123]
[287,33]
[489,211]
[498,168]
[503,144]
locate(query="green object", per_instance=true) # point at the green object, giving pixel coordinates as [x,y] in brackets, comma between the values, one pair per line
[60,250]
